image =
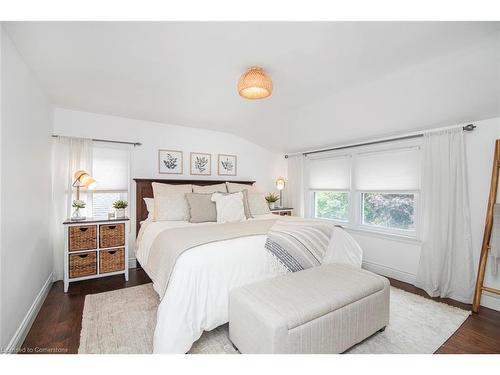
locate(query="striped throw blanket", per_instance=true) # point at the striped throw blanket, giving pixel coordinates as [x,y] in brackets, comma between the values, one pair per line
[299,244]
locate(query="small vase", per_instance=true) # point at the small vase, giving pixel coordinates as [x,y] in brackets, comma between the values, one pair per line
[77,215]
[272,205]
[120,213]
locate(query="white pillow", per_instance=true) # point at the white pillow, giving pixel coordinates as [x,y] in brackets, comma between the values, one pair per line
[229,207]
[218,188]
[343,249]
[170,201]
[233,187]
[150,206]
[257,204]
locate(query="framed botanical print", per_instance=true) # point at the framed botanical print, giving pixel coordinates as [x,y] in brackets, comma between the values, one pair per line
[201,164]
[227,165]
[170,162]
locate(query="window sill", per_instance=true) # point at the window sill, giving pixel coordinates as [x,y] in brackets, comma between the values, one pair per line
[374,233]
[385,235]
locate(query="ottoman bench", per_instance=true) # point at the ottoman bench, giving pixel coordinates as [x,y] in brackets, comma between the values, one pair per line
[325,309]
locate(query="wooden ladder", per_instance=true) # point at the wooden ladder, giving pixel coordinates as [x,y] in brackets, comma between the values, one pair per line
[480,288]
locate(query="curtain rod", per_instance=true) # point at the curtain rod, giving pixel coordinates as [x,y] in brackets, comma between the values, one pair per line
[108,141]
[467,128]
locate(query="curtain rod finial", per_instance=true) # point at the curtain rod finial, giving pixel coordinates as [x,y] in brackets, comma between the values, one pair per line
[469,127]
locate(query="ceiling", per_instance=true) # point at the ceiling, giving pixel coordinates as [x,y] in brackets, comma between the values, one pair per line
[334,82]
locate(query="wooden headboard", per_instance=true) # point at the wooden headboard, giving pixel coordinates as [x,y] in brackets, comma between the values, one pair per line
[145,190]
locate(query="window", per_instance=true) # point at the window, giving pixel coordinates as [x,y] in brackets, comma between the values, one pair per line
[330,181]
[387,182]
[373,188]
[331,205]
[388,210]
[102,203]
[111,172]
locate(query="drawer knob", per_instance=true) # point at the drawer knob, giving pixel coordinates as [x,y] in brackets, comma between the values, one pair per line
[112,227]
[112,252]
[83,255]
[83,229]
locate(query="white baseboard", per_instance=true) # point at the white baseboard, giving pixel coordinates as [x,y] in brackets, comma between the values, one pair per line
[490,300]
[18,338]
[132,263]
[390,272]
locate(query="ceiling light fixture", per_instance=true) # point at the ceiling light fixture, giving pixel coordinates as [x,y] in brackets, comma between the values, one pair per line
[255,84]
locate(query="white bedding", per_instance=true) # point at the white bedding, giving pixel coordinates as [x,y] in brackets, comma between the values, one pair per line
[197,296]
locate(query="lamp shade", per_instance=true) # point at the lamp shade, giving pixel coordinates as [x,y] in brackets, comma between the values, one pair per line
[88,181]
[85,179]
[280,183]
[255,84]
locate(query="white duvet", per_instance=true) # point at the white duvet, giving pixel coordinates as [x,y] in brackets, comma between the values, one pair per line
[197,296]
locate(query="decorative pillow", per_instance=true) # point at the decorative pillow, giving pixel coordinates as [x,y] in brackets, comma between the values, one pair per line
[150,206]
[170,201]
[233,187]
[257,204]
[217,188]
[343,249]
[201,208]
[229,207]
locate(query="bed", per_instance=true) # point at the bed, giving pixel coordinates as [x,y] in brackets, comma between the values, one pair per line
[194,284]
[196,298]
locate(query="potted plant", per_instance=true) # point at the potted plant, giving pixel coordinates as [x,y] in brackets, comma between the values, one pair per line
[271,199]
[77,205]
[120,206]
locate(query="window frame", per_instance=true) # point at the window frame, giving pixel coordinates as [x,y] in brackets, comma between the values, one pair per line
[355,203]
[336,221]
[121,192]
[413,233]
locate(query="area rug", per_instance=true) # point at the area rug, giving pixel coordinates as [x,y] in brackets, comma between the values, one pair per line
[123,321]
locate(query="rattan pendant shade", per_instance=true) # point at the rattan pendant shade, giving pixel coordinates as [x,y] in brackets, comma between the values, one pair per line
[255,84]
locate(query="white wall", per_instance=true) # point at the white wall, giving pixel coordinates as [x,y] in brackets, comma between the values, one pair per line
[1,126]
[254,162]
[480,145]
[399,258]
[26,251]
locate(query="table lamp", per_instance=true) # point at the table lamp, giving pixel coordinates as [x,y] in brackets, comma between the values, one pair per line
[83,179]
[280,185]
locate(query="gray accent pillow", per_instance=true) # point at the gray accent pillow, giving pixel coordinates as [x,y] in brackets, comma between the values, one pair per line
[257,204]
[201,207]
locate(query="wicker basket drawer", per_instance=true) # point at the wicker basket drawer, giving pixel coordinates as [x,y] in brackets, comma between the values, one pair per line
[111,260]
[111,235]
[83,237]
[82,264]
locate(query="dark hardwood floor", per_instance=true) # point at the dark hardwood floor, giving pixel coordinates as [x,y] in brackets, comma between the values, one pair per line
[57,327]
[480,333]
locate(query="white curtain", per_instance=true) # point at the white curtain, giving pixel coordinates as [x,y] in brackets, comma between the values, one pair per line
[446,267]
[68,156]
[295,184]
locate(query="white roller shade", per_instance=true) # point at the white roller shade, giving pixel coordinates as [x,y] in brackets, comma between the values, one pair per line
[388,170]
[110,168]
[329,173]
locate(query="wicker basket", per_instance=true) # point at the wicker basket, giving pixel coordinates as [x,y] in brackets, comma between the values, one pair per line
[82,238]
[82,264]
[111,235]
[111,260]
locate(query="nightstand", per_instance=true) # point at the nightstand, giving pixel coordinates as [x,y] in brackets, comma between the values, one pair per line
[284,211]
[95,248]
